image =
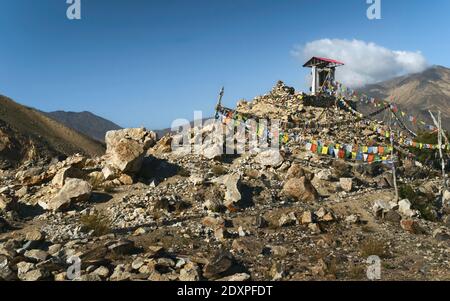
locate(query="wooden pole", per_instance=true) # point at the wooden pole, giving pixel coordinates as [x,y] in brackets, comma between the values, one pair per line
[219,102]
[444,186]
[441,135]
[394,173]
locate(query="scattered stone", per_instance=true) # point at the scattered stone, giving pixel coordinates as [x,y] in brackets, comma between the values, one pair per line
[35,235]
[346,184]
[324,175]
[295,171]
[270,157]
[23,268]
[392,216]
[261,222]
[236,278]
[121,273]
[412,227]
[7,203]
[74,191]
[126,148]
[102,272]
[109,173]
[218,265]
[34,275]
[126,179]
[315,228]
[213,222]
[190,272]
[122,247]
[441,234]
[232,194]
[307,217]
[36,255]
[287,220]
[64,174]
[247,245]
[137,263]
[22,192]
[6,274]
[279,251]
[380,207]
[301,190]
[221,234]
[404,207]
[277,272]
[352,219]
[214,205]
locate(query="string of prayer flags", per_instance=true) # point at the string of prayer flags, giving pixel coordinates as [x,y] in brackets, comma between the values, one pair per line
[340,89]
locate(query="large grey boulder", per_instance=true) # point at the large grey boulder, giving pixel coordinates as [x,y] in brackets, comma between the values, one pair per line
[74,191]
[271,157]
[126,148]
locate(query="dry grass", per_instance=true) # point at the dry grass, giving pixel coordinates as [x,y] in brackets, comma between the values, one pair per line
[98,223]
[183,172]
[219,170]
[357,272]
[373,247]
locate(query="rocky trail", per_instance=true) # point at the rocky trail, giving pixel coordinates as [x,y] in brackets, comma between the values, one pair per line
[145,211]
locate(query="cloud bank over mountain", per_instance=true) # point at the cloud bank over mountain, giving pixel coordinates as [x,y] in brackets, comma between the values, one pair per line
[365,62]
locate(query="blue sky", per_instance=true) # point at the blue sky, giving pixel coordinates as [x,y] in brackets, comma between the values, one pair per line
[143,62]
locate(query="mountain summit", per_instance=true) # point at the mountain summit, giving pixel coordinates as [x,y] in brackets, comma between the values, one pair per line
[27,134]
[417,93]
[85,122]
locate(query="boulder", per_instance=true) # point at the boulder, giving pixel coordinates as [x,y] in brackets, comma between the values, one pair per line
[236,277]
[287,220]
[271,157]
[232,194]
[126,148]
[404,207]
[35,235]
[109,173]
[68,172]
[126,179]
[74,191]
[380,207]
[6,274]
[219,264]
[164,145]
[411,226]
[7,203]
[346,184]
[231,183]
[300,189]
[212,151]
[307,217]
[295,171]
[190,272]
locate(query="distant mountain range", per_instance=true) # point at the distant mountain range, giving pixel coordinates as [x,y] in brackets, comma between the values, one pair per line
[85,122]
[418,93]
[28,134]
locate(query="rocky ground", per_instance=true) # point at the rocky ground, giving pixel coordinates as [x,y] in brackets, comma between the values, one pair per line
[146,212]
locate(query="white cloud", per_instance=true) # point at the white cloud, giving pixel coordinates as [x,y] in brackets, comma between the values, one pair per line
[365,63]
